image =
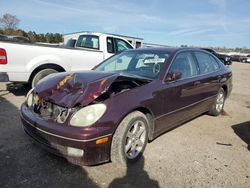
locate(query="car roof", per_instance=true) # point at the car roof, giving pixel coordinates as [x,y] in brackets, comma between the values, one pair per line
[167,49]
[207,49]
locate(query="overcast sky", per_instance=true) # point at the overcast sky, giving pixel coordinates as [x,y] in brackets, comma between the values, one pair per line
[191,22]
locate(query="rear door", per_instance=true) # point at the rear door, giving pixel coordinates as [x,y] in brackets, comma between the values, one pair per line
[209,76]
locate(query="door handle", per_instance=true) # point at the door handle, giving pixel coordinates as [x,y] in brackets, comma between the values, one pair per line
[197,83]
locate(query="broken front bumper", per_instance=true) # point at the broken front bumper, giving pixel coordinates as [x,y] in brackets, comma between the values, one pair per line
[78,147]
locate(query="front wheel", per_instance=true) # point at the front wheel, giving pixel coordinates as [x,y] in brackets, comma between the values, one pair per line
[130,139]
[218,104]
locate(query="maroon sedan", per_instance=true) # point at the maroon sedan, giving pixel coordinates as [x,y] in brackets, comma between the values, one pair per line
[111,112]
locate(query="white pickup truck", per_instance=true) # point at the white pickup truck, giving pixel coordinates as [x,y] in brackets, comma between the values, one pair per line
[28,63]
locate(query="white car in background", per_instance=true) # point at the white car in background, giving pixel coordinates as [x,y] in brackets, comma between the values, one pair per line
[248,58]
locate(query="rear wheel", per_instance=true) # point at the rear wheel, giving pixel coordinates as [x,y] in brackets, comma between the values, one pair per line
[130,139]
[41,74]
[218,104]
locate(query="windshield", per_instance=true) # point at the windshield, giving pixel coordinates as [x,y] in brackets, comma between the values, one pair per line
[146,64]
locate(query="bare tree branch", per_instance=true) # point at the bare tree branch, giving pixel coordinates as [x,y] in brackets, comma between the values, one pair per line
[9,21]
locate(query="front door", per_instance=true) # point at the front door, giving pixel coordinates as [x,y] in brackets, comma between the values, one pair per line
[180,96]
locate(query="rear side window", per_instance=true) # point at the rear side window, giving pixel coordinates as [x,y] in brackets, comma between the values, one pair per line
[185,64]
[122,45]
[215,63]
[71,43]
[88,41]
[206,62]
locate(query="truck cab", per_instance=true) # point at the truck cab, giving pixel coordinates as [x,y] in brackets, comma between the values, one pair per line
[112,44]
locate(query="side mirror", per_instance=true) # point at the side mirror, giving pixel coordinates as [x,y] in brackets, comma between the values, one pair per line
[172,76]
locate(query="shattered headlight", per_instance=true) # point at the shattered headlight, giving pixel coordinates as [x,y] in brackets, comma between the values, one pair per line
[88,115]
[29,97]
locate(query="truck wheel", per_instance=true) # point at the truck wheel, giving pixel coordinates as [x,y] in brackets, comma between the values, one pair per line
[130,139]
[41,74]
[218,104]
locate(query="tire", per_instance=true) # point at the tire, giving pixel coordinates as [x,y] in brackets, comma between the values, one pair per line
[218,105]
[130,139]
[40,75]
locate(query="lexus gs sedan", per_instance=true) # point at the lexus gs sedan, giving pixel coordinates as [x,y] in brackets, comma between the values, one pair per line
[111,112]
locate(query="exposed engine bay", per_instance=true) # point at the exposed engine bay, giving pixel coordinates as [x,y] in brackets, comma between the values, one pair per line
[48,110]
[120,85]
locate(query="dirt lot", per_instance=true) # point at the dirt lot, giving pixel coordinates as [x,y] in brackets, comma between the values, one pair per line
[205,152]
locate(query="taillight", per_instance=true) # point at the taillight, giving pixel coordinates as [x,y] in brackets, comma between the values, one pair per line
[3,56]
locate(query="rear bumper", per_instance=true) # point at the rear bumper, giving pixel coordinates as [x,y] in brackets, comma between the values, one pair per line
[90,152]
[4,77]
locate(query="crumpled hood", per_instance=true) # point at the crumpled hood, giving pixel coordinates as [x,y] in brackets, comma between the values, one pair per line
[76,88]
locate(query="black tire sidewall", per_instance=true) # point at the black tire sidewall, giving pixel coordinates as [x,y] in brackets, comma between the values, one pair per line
[118,142]
[41,74]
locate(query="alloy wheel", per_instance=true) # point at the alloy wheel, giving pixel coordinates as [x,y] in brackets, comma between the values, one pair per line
[135,139]
[219,101]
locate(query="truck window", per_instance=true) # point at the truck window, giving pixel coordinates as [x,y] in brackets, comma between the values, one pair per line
[110,45]
[88,41]
[71,43]
[138,44]
[121,45]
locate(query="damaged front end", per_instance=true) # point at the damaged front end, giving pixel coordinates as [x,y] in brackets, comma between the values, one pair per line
[47,110]
[77,98]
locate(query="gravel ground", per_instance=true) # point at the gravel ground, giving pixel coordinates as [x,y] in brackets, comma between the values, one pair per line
[205,152]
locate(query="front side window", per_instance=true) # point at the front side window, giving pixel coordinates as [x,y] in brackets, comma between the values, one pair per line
[206,62]
[184,64]
[122,45]
[88,41]
[139,63]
